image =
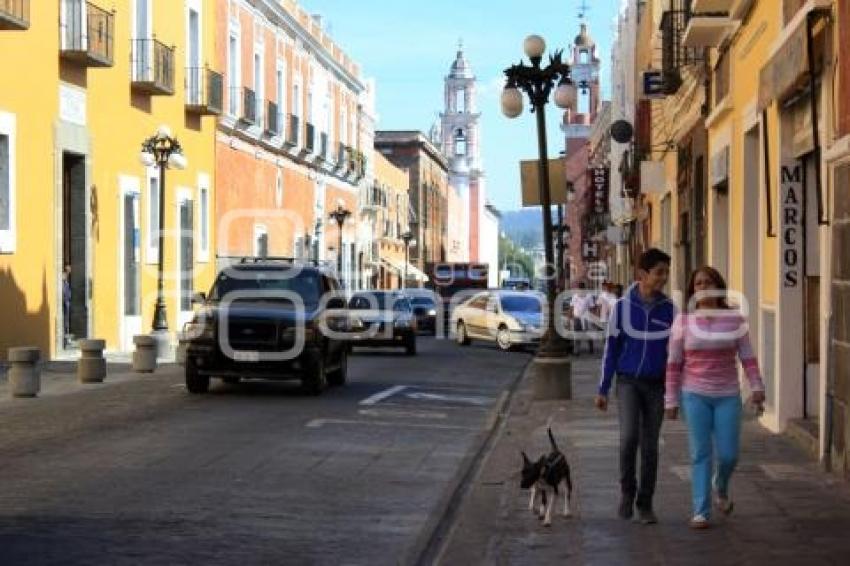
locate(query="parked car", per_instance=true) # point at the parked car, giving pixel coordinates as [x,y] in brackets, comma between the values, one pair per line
[250,320]
[424,302]
[509,318]
[382,319]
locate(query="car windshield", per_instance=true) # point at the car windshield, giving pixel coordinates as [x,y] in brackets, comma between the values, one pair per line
[422,302]
[377,301]
[518,303]
[305,284]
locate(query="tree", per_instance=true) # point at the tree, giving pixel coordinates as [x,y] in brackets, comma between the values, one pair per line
[514,259]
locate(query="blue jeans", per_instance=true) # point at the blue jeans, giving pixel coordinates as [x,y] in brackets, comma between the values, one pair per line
[719,417]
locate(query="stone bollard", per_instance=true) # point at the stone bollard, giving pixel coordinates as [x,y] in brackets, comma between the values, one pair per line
[182,347]
[24,373]
[91,367]
[144,357]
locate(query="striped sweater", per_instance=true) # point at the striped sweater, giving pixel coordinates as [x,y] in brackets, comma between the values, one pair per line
[702,354]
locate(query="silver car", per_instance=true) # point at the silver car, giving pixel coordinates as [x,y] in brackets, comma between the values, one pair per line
[508,318]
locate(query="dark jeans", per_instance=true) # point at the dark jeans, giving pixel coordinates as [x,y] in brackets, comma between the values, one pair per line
[641,406]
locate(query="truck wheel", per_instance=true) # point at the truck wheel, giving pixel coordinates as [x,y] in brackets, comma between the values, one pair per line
[410,344]
[462,337]
[340,376]
[314,380]
[195,383]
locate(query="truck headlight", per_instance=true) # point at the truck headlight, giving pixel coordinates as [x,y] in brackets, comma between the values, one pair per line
[199,330]
[432,312]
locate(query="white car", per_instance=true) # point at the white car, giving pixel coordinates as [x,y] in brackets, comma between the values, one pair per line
[508,318]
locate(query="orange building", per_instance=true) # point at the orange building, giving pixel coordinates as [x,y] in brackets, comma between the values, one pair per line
[288,146]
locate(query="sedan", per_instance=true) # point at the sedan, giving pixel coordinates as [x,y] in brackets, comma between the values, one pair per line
[508,318]
[382,319]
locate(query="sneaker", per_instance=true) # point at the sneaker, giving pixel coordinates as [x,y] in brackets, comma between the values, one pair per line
[699,522]
[724,504]
[627,507]
[647,516]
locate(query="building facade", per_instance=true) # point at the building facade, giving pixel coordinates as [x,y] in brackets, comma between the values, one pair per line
[82,85]
[291,145]
[388,201]
[428,196]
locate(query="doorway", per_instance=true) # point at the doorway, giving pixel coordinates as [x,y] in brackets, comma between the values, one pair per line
[186,264]
[751,230]
[131,262]
[75,217]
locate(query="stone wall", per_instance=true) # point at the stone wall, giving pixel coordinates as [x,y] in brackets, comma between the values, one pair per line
[841,321]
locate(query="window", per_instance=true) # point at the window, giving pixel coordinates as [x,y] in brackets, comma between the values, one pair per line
[296,99]
[152,255]
[261,241]
[329,114]
[258,88]
[74,32]
[278,193]
[459,101]
[280,81]
[7,182]
[143,17]
[343,126]
[142,50]
[204,218]
[310,106]
[193,35]
[233,74]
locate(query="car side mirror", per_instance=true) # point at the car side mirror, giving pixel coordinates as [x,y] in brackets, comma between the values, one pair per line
[199,298]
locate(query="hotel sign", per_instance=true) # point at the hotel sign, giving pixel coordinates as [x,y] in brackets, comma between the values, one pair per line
[599,185]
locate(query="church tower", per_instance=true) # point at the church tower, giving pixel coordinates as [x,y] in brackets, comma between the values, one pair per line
[460,143]
[584,71]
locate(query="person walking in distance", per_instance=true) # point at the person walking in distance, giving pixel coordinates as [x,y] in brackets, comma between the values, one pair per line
[701,366]
[636,353]
[66,305]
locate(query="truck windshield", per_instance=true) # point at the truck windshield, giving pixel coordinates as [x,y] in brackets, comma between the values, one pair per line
[305,284]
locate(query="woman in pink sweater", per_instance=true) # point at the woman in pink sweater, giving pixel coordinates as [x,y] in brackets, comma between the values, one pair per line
[702,373]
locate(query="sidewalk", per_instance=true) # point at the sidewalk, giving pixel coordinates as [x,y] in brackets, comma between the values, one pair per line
[787,511]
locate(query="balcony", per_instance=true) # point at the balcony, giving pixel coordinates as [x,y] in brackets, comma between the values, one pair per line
[204,91]
[87,34]
[371,199]
[14,14]
[249,105]
[310,141]
[323,146]
[341,156]
[292,134]
[273,119]
[708,30]
[152,67]
[675,56]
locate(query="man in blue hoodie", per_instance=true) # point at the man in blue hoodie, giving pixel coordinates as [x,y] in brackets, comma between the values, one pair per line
[636,352]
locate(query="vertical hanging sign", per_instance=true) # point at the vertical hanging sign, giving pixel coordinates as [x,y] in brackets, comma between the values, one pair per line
[791,222]
[599,182]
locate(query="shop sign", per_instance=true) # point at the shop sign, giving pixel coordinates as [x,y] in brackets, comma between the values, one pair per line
[599,182]
[791,222]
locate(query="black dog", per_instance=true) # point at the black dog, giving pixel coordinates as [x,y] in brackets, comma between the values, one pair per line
[548,472]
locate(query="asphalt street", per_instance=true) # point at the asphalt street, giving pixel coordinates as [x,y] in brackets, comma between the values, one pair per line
[141,472]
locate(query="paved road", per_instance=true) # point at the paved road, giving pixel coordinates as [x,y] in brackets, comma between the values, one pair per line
[139,472]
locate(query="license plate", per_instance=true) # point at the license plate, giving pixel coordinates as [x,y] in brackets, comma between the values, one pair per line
[240,356]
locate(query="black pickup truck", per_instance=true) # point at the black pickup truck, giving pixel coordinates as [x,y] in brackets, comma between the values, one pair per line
[269,319]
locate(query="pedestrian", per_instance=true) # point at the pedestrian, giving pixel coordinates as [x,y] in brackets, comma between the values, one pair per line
[607,301]
[636,352]
[66,305]
[581,304]
[702,376]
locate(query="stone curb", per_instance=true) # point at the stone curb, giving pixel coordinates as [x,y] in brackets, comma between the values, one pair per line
[432,536]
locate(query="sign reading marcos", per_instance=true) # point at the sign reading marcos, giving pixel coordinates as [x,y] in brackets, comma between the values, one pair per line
[791,177]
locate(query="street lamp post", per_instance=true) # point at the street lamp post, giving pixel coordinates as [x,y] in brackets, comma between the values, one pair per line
[164,151]
[340,215]
[407,237]
[537,82]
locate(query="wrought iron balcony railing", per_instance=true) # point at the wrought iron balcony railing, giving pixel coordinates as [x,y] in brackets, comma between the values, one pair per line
[87,34]
[273,119]
[249,106]
[293,132]
[152,66]
[204,91]
[310,141]
[14,14]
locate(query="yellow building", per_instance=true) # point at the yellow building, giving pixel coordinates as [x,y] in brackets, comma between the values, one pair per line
[82,85]
[388,200]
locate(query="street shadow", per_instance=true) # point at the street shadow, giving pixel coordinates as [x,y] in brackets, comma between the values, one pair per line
[259,388]
[140,101]
[192,122]
[23,325]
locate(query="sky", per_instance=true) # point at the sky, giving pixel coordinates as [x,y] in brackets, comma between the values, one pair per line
[408,46]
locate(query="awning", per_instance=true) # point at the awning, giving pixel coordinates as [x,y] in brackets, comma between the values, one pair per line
[788,67]
[412,271]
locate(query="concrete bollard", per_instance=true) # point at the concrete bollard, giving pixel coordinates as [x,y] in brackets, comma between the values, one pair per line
[24,373]
[144,356]
[182,347]
[91,367]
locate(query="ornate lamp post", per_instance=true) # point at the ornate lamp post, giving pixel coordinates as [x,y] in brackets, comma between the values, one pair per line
[407,238]
[164,151]
[340,215]
[537,82]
